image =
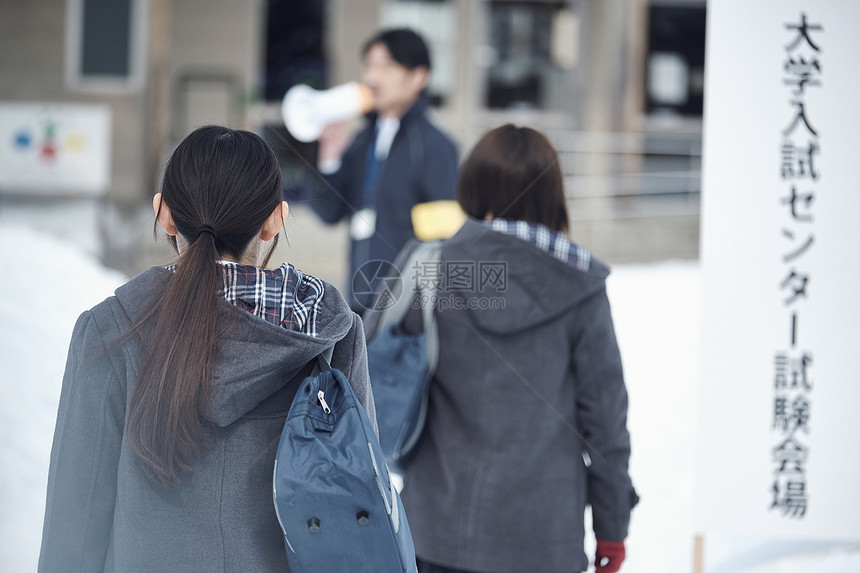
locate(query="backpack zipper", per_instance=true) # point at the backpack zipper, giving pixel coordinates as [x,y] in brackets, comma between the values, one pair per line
[321,398]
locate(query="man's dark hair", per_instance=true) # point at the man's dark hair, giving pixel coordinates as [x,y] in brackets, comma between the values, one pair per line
[513,173]
[406,47]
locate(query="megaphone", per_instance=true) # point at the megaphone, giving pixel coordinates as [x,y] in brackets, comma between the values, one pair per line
[307,111]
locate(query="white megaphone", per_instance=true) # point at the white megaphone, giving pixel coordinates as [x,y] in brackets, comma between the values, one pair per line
[307,111]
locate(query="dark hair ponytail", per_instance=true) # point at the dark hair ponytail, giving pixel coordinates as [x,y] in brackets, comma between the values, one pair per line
[221,185]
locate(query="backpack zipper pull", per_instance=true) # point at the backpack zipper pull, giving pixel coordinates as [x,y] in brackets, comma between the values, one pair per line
[321,398]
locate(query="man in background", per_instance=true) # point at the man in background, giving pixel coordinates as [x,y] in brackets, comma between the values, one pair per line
[397,161]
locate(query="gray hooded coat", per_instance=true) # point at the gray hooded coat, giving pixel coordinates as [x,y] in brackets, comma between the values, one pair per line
[523,387]
[104,514]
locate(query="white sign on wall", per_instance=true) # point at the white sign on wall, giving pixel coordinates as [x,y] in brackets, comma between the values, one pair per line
[55,148]
[781,267]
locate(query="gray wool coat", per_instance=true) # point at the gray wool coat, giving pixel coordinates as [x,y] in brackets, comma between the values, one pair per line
[499,482]
[103,514]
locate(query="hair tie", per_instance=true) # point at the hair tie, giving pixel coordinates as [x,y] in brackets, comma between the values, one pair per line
[206,228]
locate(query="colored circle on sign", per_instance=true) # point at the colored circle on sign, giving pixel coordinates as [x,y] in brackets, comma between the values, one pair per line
[23,140]
[75,142]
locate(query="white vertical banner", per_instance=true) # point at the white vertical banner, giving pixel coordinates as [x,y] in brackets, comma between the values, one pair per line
[55,148]
[781,267]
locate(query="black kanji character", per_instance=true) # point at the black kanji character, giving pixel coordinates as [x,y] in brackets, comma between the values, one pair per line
[803,33]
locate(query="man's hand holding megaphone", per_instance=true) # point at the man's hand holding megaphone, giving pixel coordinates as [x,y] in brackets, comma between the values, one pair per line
[333,141]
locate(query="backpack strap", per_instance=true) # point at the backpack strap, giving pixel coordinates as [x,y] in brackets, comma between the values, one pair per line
[428,323]
[423,253]
[323,362]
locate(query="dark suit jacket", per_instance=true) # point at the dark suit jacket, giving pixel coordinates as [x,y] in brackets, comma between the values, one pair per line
[421,167]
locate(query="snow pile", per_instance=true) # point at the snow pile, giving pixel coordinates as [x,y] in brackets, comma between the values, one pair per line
[47,283]
[656,313]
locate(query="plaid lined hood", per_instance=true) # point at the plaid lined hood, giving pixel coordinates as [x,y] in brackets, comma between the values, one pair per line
[257,358]
[540,283]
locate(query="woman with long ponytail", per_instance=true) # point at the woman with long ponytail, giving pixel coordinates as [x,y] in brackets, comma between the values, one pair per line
[176,388]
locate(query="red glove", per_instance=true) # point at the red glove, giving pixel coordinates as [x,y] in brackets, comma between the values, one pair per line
[610,555]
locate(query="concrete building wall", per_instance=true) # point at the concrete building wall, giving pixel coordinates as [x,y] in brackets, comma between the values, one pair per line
[179,37]
[201,36]
[190,42]
[33,68]
[215,37]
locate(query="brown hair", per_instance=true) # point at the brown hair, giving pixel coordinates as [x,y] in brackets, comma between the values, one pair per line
[513,173]
[221,185]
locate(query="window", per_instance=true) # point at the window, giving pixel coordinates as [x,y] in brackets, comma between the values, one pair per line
[675,69]
[104,41]
[294,52]
[530,54]
[294,48]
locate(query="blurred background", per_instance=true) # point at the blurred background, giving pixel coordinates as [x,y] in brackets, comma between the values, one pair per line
[97,93]
[616,84]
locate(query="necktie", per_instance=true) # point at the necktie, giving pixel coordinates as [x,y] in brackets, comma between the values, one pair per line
[372,169]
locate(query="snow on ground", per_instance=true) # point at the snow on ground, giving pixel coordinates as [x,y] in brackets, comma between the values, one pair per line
[656,313]
[48,282]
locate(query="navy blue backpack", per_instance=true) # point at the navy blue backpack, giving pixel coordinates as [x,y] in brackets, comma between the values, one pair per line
[337,507]
[401,365]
